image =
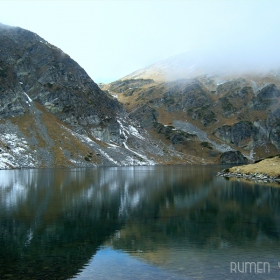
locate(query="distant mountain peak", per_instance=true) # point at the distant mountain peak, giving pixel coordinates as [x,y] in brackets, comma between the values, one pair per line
[197,63]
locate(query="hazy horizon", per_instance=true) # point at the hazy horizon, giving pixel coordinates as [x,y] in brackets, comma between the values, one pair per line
[111,39]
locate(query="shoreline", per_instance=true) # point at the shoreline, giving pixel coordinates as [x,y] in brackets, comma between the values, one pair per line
[264,171]
[255,177]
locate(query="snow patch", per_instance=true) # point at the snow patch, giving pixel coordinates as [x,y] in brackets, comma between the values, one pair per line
[28,98]
[135,132]
[120,159]
[147,161]
[113,145]
[108,157]
[17,154]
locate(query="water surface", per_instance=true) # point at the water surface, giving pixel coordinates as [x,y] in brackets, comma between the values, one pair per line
[151,222]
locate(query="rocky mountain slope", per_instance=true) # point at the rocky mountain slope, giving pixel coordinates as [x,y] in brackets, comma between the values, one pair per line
[53,114]
[220,115]
[174,112]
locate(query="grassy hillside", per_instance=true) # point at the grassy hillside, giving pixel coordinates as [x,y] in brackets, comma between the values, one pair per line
[269,166]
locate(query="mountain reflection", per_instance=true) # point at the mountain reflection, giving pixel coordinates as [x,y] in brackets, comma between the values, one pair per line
[53,221]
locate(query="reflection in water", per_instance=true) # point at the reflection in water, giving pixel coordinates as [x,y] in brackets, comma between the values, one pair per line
[181,220]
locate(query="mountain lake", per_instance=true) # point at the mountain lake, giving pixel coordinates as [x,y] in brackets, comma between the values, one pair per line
[140,222]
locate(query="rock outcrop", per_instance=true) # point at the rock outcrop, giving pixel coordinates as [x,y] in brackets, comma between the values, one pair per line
[241,134]
[233,157]
[273,124]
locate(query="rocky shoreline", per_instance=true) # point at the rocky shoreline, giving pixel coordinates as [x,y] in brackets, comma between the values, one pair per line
[263,171]
[256,177]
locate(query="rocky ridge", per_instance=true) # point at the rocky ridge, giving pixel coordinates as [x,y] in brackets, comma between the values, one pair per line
[224,117]
[52,114]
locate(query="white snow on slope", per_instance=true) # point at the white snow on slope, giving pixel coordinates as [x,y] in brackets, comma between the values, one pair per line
[133,131]
[17,154]
[87,140]
[28,98]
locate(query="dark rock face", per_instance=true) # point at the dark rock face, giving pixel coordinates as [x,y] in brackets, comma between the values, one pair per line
[240,134]
[224,133]
[266,98]
[146,115]
[273,124]
[195,96]
[13,105]
[261,104]
[52,78]
[233,157]
[230,87]
[275,136]
[268,92]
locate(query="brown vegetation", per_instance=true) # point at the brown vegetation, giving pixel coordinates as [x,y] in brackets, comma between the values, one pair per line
[269,166]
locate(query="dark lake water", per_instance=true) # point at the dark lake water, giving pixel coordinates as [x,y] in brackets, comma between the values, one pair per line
[159,222]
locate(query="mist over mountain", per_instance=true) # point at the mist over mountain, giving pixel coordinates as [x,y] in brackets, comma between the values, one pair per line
[223,63]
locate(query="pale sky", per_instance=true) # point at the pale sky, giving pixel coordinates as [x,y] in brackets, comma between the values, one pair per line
[111,39]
